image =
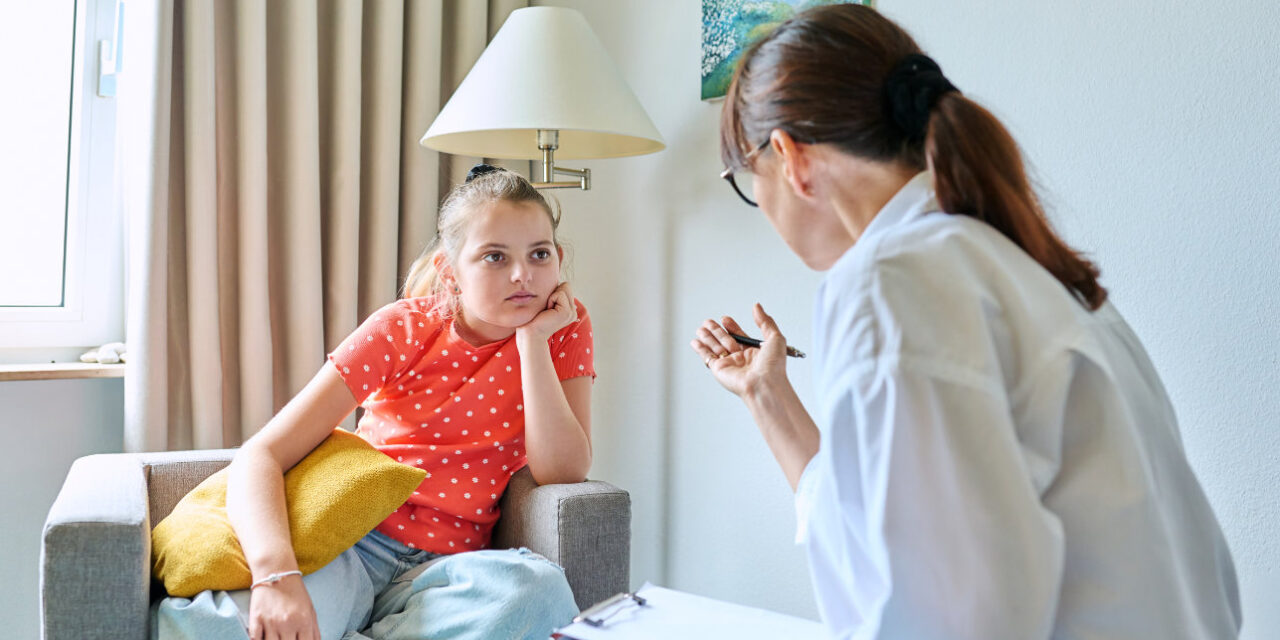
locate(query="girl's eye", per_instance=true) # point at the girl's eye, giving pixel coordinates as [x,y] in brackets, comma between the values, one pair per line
[541,254]
[492,257]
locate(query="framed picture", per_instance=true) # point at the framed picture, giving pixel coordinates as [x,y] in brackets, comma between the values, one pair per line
[730,26]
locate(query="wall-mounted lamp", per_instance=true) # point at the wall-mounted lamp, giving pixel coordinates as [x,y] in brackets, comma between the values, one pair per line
[544,85]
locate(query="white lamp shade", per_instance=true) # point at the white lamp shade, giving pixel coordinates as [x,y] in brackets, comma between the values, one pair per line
[545,69]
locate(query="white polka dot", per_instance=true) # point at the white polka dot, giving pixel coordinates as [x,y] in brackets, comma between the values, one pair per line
[453,480]
[445,378]
[400,526]
[501,392]
[399,458]
[467,496]
[493,409]
[444,461]
[486,434]
[490,378]
[445,352]
[369,338]
[402,357]
[430,535]
[561,354]
[441,494]
[419,460]
[387,358]
[478,511]
[464,432]
[468,414]
[581,368]
[366,387]
[455,365]
[451,543]
[508,367]
[446,419]
[499,354]
[437,435]
[458,399]
[480,397]
[366,367]
[475,358]
[464,465]
[417,405]
[411,546]
[519,407]
[475,480]
[588,350]
[506,424]
[484,461]
[346,370]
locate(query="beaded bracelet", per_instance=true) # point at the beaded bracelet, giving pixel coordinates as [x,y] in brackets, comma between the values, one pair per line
[274,578]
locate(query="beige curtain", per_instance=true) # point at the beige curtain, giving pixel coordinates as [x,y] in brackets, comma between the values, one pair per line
[287,196]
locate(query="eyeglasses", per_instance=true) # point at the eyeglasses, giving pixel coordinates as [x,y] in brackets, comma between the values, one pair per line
[748,178]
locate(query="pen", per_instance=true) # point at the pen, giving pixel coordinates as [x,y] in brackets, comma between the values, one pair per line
[752,342]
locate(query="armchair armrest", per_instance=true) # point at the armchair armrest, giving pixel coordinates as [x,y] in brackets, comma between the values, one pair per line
[95,559]
[583,527]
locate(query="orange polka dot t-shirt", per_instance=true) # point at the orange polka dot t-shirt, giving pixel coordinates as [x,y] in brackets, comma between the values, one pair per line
[439,403]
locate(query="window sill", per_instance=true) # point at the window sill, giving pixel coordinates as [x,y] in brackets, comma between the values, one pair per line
[60,371]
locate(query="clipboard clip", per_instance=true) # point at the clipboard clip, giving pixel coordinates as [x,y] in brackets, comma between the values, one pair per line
[597,614]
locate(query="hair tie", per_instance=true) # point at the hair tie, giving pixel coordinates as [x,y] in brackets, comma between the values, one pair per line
[480,170]
[912,88]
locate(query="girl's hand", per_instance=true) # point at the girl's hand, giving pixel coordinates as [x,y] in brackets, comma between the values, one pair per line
[282,610]
[742,370]
[560,313]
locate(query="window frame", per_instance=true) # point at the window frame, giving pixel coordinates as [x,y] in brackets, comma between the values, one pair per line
[92,309]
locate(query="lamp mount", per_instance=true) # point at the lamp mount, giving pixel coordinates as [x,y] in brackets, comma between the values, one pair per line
[548,142]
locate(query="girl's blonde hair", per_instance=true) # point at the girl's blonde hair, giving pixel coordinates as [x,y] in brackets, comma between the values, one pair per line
[494,185]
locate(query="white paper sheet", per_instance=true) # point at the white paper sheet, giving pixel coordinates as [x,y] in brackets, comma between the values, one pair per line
[673,615]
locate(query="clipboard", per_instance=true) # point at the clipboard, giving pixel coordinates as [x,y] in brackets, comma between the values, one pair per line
[654,612]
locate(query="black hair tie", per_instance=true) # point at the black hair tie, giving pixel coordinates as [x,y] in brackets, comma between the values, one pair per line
[912,88]
[480,170]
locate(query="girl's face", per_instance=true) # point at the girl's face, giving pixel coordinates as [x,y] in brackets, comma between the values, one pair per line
[506,269]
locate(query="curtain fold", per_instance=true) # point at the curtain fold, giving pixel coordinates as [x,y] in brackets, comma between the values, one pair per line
[287,196]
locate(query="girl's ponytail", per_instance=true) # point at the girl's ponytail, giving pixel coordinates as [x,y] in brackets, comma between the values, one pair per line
[978,172]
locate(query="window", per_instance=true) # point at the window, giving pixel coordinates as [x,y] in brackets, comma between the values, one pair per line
[61,229]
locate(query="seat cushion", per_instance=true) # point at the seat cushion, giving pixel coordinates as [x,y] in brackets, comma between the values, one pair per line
[335,495]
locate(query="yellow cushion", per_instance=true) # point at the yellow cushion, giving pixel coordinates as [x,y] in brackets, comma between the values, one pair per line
[335,495]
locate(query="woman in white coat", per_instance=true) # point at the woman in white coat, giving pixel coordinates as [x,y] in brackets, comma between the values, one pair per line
[992,454]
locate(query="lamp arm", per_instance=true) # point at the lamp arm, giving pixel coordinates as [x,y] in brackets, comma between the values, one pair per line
[548,142]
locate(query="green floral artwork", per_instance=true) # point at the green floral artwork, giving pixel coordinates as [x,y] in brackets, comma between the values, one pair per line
[730,26]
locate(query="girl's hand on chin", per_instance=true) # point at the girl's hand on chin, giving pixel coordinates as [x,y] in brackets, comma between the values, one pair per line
[560,313]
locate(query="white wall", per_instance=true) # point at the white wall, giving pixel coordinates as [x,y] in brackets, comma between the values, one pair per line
[1153,127]
[46,426]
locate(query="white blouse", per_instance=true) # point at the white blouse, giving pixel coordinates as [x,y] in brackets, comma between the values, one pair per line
[996,461]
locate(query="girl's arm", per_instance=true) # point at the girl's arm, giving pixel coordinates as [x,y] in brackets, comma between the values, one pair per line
[256,504]
[557,414]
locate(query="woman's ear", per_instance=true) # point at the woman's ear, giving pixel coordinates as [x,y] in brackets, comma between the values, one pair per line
[560,251]
[797,162]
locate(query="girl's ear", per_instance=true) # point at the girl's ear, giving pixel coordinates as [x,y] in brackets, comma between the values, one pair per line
[560,251]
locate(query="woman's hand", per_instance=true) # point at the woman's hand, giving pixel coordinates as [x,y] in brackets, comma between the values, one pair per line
[282,610]
[742,370]
[559,313]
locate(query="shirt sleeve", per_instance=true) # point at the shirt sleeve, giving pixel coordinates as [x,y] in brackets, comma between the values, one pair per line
[572,348]
[921,519]
[382,348]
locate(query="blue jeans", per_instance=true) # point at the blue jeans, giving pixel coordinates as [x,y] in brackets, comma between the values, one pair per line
[382,589]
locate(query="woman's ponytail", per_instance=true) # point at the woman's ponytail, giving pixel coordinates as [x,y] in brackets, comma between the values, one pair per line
[978,172]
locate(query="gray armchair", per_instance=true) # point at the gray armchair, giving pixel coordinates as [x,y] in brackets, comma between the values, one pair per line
[95,560]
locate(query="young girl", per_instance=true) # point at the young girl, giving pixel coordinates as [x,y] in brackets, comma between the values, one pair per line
[485,366]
